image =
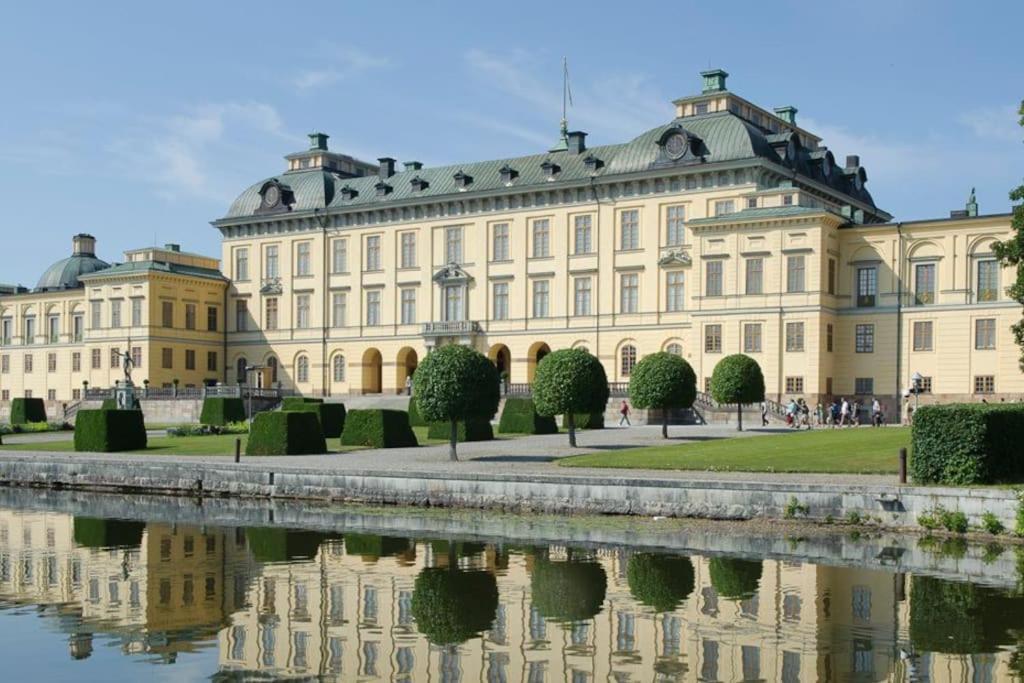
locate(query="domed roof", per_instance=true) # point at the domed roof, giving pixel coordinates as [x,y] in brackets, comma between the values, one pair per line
[64,274]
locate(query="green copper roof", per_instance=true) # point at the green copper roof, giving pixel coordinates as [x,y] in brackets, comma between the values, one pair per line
[158,267]
[64,274]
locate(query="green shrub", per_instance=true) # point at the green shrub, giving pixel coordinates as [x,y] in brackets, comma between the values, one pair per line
[665,382]
[25,410]
[220,411]
[734,579]
[371,547]
[415,419]
[929,520]
[962,618]
[570,381]
[90,532]
[660,581]
[451,606]
[567,591]
[585,420]
[291,402]
[954,521]
[967,444]
[109,404]
[285,433]
[471,430]
[330,415]
[282,545]
[109,431]
[378,429]
[519,416]
[737,379]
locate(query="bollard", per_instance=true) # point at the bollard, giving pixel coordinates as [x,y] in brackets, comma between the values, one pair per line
[238,450]
[903,465]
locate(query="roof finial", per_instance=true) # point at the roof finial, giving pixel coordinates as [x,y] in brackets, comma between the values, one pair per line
[972,204]
[563,139]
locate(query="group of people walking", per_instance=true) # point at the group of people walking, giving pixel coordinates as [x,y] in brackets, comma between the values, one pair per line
[839,413]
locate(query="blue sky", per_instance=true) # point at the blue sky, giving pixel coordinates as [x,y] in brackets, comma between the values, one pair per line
[140,122]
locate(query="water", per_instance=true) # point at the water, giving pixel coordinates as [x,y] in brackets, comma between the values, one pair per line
[90,598]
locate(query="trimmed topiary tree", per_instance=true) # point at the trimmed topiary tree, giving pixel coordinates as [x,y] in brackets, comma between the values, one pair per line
[733,578]
[285,433]
[468,430]
[520,416]
[737,379]
[456,383]
[220,411]
[330,415]
[378,429]
[569,382]
[451,606]
[660,581]
[967,444]
[663,381]
[26,410]
[585,420]
[109,404]
[567,591]
[110,431]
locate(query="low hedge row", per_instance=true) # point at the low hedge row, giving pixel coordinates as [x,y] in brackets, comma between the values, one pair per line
[330,415]
[24,410]
[519,416]
[110,431]
[585,420]
[292,402]
[378,429]
[286,433]
[967,444]
[469,430]
[221,411]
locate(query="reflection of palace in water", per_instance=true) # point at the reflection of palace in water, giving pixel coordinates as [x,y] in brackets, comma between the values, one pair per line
[348,612]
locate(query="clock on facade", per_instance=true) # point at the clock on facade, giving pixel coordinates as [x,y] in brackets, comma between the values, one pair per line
[675,145]
[271,196]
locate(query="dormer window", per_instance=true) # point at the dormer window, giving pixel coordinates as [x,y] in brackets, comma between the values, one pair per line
[592,163]
[382,189]
[700,109]
[508,174]
[419,184]
[551,169]
[462,180]
[348,193]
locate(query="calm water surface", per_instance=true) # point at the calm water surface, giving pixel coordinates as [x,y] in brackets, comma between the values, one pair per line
[92,599]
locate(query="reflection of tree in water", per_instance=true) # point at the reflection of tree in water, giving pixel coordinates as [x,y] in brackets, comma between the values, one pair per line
[660,581]
[733,578]
[451,605]
[371,548]
[962,618]
[567,591]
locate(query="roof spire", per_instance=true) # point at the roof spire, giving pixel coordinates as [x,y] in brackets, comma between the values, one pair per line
[563,136]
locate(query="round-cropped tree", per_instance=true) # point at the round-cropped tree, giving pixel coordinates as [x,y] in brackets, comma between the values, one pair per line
[660,581]
[737,379]
[456,383]
[451,606]
[567,591]
[734,578]
[664,381]
[569,382]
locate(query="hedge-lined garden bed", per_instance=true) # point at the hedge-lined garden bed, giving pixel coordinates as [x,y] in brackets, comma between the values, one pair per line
[110,431]
[519,416]
[330,415]
[26,410]
[286,433]
[967,444]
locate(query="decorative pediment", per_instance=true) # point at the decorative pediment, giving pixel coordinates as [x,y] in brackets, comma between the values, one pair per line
[271,287]
[674,257]
[452,274]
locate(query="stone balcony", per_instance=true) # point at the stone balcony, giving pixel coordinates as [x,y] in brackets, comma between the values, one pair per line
[451,328]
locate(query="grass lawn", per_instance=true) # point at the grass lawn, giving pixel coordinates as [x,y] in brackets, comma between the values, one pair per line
[863,450]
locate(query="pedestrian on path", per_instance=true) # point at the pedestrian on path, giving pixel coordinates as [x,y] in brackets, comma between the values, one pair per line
[764,414]
[624,411]
[844,413]
[408,385]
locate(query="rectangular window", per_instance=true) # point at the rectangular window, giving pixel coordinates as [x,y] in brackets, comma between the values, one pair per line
[167,358]
[828,337]
[794,337]
[373,252]
[408,306]
[211,319]
[136,312]
[302,259]
[339,309]
[629,290]
[270,313]
[30,331]
[190,359]
[28,363]
[77,328]
[137,356]
[751,338]
[453,245]
[724,207]
[96,359]
[984,384]
[95,315]
[867,286]
[339,256]
[541,238]
[500,293]
[53,329]
[499,242]
[541,291]
[864,386]
[675,230]
[76,362]
[373,307]
[581,303]
[115,358]
[988,280]
[5,364]
[629,230]
[190,316]
[167,313]
[674,297]
[5,331]
[922,335]
[787,200]
[242,264]
[271,264]
[713,338]
[453,300]
[831,276]
[926,385]
[583,242]
[211,361]
[795,273]
[985,333]
[408,258]
[713,278]
[241,315]
[755,276]
[924,283]
[864,341]
[794,385]
[51,362]
[115,313]
[302,311]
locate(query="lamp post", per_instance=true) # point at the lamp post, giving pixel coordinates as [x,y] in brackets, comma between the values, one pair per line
[916,378]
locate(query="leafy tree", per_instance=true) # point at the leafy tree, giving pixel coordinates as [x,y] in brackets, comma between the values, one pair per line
[737,379]
[664,381]
[734,579]
[569,382]
[567,591]
[451,606]
[660,581]
[456,383]
[1011,253]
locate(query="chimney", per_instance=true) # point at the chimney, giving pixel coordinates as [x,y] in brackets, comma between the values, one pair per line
[170,246]
[413,165]
[387,167]
[318,141]
[852,161]
[714,80]
[787,114]
[577,142]
[83,245]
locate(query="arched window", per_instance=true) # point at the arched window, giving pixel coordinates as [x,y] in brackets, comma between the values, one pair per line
[628,359]
[339,368]
[302,369]
[272,364]
[675,349]
[240,369]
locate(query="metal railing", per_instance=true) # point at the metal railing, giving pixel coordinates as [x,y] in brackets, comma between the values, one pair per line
[191,393]
[445,328]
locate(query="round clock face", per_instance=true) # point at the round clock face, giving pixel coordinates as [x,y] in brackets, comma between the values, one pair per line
[675,146]
[271,195]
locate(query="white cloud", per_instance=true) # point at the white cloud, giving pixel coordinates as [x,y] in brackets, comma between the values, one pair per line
[340,63]
[995,123]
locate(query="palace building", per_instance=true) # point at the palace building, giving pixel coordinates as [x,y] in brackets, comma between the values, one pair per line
[728,229]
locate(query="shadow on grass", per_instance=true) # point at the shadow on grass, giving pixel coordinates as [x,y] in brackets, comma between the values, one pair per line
[515,458]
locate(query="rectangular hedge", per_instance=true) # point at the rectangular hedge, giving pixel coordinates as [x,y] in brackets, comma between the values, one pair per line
[220,411]
[415,419]
[519,416]
[585,421]
[110,431]
[286,432]
[25,410]
[470,430]
[378,429]
[966,444]
[293,402]
[331,416]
